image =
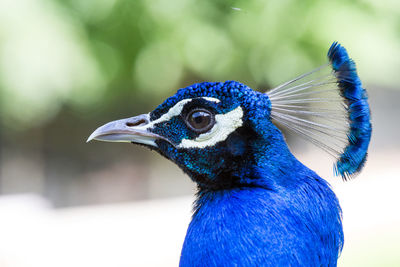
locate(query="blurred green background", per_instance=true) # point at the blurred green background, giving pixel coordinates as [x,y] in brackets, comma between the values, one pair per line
[68,66]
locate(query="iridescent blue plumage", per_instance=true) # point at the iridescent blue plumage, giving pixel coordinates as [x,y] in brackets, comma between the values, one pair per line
[353,158]
[256,204]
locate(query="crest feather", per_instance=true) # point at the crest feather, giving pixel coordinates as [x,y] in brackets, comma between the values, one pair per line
[328,107]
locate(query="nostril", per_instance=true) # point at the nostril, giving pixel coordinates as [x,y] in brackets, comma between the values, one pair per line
[137,123]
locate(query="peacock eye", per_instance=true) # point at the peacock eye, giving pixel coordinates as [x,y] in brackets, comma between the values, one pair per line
[200,120]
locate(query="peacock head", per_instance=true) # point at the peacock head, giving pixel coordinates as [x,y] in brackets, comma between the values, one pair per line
[222,134]
[213,131]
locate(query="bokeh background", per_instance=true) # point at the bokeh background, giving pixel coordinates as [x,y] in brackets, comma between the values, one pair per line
[68,66]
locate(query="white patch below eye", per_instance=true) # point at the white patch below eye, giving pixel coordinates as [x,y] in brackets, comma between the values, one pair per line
[225,124]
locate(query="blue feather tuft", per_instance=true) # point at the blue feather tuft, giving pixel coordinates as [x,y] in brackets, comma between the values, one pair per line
[328,107]
[352,159]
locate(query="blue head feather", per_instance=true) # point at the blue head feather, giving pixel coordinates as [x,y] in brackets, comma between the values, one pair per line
[354,156]
[209,166]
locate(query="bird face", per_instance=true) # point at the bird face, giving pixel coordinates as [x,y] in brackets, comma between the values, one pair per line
[208,129]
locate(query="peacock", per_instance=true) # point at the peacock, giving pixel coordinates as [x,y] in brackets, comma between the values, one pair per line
[256,204]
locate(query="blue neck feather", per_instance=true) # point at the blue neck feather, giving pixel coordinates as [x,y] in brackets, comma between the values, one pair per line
[280,213]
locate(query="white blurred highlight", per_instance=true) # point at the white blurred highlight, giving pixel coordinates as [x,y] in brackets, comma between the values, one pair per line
[139,234]
[44,60]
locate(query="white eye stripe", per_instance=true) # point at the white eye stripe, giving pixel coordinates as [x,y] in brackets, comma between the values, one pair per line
[173,111]
[211,99]
[225,124]
[178,107]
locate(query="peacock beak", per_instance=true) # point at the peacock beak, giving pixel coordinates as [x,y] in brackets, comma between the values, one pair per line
[131,130]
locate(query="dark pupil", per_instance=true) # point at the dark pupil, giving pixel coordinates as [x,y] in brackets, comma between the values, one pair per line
[200,119]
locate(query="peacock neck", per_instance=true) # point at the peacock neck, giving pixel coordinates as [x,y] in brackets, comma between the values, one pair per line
[299,226]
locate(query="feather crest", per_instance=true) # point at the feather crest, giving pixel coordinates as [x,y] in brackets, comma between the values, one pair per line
[328,107]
